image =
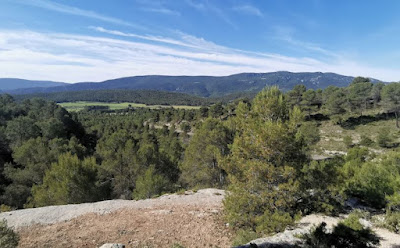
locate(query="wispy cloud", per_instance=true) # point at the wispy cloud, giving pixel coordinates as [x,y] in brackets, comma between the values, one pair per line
[162,11]
[156,6]
[185,40]
[211,8]
[196,5]
[73,58]
[249,10]
[44,4]
[286,34]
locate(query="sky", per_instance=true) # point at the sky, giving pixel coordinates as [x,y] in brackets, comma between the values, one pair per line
[95,40]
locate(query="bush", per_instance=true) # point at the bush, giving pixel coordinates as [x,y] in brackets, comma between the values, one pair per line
[274,222]
[185,127]
[348,141]
[366,141]
[372,184]
[243,237]
[392,221]
[341,236]
[309,132]
[384,139]
[375,182]
[353,220]
[8,238]
[177,245]
[5,208]
[320,181]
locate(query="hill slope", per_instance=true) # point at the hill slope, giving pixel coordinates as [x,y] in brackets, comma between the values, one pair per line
[7,84]
[206,86]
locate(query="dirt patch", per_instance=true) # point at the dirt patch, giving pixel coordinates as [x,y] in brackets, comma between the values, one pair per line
[163,226]
[192,219]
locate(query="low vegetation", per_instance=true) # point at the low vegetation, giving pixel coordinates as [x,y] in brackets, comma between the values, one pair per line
[259,150]
[8,238]
[342,235]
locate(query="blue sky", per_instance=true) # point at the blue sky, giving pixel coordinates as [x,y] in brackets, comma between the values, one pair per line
[95,40]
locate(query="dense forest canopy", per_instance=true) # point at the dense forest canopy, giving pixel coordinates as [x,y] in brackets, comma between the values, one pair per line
[259,150]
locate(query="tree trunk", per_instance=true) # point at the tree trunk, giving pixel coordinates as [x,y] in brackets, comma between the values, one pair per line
[397,119]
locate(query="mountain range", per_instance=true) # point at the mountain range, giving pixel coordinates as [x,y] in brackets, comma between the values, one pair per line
[204,86]
[9,84]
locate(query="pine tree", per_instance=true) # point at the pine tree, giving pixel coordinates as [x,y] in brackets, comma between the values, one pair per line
[263,167]
[70,180]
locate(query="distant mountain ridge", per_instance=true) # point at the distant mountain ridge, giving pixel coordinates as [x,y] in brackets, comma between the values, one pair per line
[205,86]
[7,84]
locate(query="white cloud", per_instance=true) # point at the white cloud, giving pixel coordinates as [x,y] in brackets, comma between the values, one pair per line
[161,10]
[74,58]
[44,4]
[249,10]
[198,6]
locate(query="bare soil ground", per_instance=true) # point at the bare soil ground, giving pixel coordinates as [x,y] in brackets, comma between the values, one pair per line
[161,226]
[190,219]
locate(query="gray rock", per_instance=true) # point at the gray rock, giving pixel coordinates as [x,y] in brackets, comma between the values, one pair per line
[109,245]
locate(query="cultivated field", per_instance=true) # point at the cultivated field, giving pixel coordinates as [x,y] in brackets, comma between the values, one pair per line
[77,106]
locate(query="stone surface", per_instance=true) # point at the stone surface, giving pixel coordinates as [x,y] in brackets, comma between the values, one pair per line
[112,246]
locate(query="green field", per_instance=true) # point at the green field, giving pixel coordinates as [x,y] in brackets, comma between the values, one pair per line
[77,106]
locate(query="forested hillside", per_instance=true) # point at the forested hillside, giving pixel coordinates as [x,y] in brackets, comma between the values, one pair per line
[150,97]
[207,86]
[259,150]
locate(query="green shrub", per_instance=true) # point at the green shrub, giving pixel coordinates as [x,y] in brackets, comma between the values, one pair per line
[185,127]
[273,222]
[341,236]
[392,221]
[309,132]
[348,141]
[8,238]
[353,220]
[243,237]
[366,141]
[320,181]
[384,139]
[372,184]
[375,182]
[177,245]
[5,208]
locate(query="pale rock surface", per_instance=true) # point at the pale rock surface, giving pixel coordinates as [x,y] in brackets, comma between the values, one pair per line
[112,246]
